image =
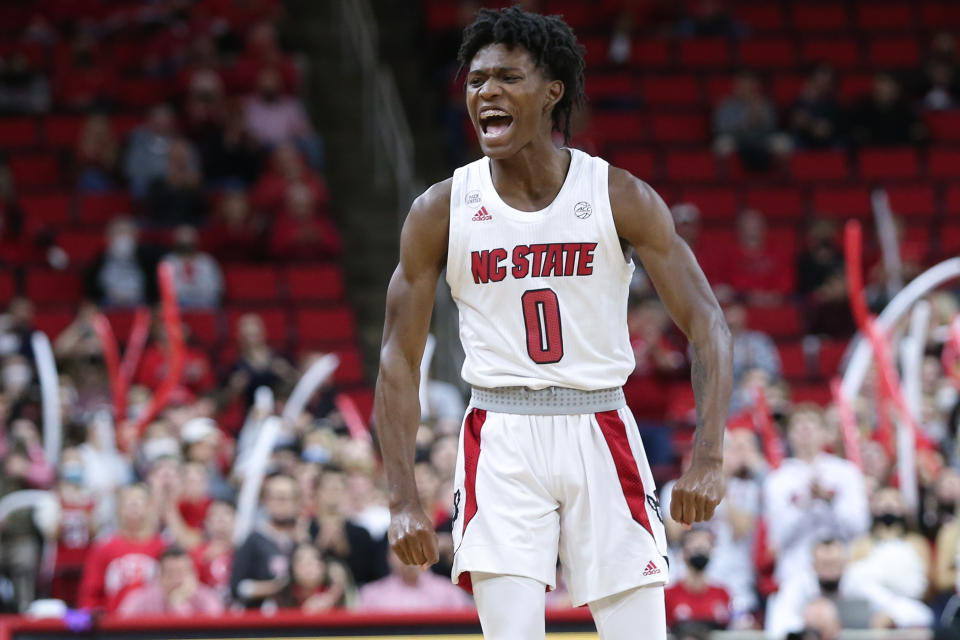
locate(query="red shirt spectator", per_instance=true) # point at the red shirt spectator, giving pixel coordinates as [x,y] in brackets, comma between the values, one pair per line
[197,376]
[174,591]
[301,234]
[286,167]
[75,530]
[765,273]
[126,560]
[693,598]
[214,557]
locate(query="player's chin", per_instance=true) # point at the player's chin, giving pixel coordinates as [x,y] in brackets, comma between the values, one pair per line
[497,148]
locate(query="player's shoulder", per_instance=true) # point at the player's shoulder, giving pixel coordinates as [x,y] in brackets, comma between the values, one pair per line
[435,201]
[627,189]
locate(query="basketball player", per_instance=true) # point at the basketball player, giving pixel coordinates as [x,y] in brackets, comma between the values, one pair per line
[533,239]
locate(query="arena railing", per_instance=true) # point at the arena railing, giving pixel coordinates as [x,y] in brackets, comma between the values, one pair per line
[386,131]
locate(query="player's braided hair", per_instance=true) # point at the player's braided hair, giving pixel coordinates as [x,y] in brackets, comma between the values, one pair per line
[550,42]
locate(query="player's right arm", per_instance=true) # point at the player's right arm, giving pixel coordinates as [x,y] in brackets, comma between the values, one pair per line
[423,252]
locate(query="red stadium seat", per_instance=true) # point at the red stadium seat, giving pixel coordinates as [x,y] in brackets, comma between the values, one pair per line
[719,86]
[679,128]
[63,131]
[442,16]
[577,14]
[45,212]
[715,203]
[883,16]
[52,321]
[622,127]
[793,360]
[838,52]
[639,162]
[819,16]
[691,166]
[121,321]
[47,285]
[940,15]
[855,86]
[100,208]
[914,200]
[783,236]
[204,326]
[944,125]
[142,92]
[767,53]
[888,164]
[320,283]
[723,236]
[350,369]
[274,321]
[705,53]
[894,52]
[250,283]
[842,202]
[650,52]
[952,201]
[81,246]
[829,357]
[363,398]
[944,163]
[763,16]
[609,85]
[7,287]
[34,170]
[949,237]
[787,87]
[18,132]
[597,49]
[776,202]
[779,322]
[828,165]
[325,325]
[679,90]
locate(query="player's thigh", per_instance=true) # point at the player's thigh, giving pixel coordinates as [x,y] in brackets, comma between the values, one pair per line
[621,615]
[612,536]
[505,519]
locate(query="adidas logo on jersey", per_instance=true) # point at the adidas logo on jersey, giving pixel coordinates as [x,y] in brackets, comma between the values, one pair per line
[481,215]
[651,569]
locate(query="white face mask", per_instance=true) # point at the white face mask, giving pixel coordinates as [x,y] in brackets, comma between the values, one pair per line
[122,246]
[16,376]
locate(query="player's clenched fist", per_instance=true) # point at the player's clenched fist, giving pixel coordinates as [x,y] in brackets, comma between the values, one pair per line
[411,536]
[697,493]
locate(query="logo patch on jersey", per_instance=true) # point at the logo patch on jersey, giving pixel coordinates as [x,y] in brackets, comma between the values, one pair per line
[655,505]
[481,215]
[582,210]
[472,199]
[651,569]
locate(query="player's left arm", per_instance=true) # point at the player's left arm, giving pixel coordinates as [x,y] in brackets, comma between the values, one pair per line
[643,220]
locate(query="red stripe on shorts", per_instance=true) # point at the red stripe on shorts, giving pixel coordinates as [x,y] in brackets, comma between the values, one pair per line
[615,433]
[471,457]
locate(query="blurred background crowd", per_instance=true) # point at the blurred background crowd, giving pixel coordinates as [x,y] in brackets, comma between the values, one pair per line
[175,132]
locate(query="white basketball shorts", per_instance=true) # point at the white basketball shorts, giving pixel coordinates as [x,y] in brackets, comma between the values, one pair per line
[530,488]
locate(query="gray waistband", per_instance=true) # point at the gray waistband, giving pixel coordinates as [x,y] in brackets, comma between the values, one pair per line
[552,401]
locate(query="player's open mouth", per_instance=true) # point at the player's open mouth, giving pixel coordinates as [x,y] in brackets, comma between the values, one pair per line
[495,122]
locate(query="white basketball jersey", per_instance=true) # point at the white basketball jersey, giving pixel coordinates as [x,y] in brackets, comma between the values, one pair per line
[542,294]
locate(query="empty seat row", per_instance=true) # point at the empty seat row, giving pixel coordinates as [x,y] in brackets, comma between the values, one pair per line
[60,131]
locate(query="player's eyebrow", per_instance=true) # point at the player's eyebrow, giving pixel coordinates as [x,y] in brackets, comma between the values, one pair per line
[495,70]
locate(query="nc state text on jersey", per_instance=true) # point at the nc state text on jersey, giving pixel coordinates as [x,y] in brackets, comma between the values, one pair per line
[534,260]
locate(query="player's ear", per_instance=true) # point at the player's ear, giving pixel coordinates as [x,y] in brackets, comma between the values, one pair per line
[554,93]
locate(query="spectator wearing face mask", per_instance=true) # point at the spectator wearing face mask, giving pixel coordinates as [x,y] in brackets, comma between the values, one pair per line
[198,278]
[261,565]
[75,527]
[890,566]
[125,273]
[812,496]
[785,609]
[695,598]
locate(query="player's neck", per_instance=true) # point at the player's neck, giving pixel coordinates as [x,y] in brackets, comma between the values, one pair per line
[533,176]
